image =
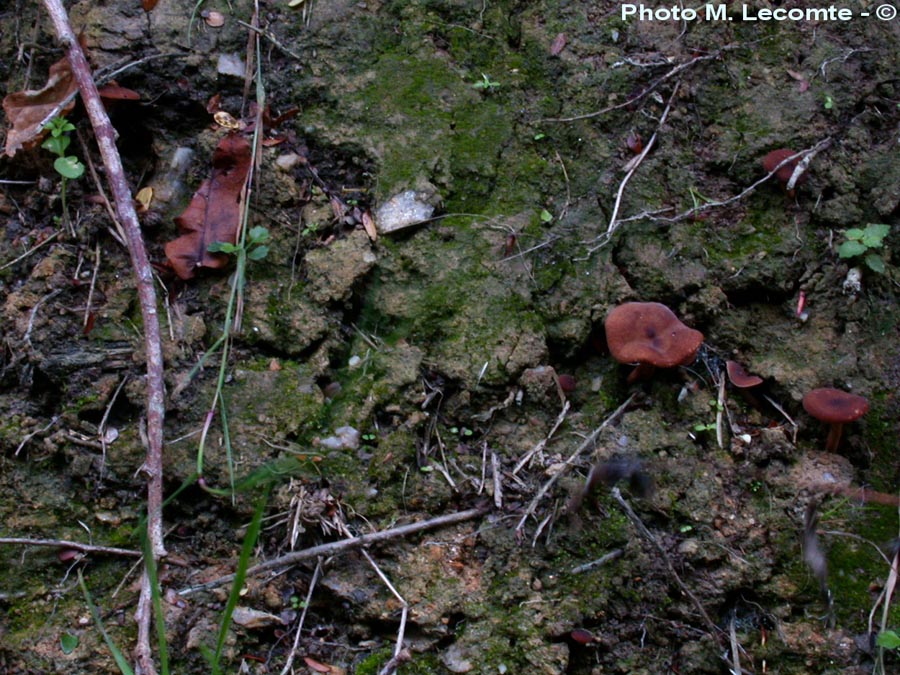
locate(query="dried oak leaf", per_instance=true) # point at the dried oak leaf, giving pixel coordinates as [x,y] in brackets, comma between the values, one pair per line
[214,212]
[28,111]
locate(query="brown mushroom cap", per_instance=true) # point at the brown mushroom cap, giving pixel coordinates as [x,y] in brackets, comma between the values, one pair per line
[835,406]
[739,377]
[784,174]
[649,333]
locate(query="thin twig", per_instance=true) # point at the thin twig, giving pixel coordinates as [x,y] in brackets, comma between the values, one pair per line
[543,443]
[66,544]
[646,534]
[28,437]
[706,206]
[336,547]
[587,443]
[105,135]
[653,85]
[602,560]
[30,251]
[391,666]
[312,585]
[605,238]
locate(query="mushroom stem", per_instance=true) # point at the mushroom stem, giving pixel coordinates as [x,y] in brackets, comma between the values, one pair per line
[643,371]
[834,437]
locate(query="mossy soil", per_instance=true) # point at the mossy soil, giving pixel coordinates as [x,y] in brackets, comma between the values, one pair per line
[440,344]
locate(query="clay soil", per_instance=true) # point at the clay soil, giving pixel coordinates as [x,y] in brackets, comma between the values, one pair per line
[571,159]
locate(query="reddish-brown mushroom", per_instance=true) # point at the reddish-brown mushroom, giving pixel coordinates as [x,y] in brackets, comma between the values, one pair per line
[739,377]
[835,407]
[784,174]
[651,336]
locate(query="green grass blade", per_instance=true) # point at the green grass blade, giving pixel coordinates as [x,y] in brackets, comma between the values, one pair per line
[117,654]
[239,575]
[156,599]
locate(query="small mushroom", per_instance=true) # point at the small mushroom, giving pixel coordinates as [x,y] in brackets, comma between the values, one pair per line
[784,174]
[651,336]
[835,407]
[739,377]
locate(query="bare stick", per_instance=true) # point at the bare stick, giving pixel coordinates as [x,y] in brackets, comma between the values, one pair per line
[391,666]
[694,210]
[634,99]
[312,585]
[335,547]
[588,442]
[543,443]
[106,141]
[648,535]
[604,238]
[66,544]
[30,251]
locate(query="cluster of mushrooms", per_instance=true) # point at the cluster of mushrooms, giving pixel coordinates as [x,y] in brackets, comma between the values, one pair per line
[649,336]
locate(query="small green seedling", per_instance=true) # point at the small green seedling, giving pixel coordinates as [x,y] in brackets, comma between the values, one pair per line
[888,639]
[486,84]
[546,216]
[68,167]
[68,643]
[828,104]
[255,247]
[863,243]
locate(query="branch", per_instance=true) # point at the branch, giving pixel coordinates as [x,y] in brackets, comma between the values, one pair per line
[66,544]
[106,141]
[335,547]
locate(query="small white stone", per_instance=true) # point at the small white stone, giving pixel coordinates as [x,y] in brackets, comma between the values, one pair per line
[231,64]
[401,211]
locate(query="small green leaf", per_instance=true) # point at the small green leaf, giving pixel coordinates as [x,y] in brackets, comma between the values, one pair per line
[258,253]
[546,216]
[69,167]
[222,247]
[888,639]
[258,235]
[875,263]
[68,643]
[850,249]
[874,234]
[854,233]
[57,144]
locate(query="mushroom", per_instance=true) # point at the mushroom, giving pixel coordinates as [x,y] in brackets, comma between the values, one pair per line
[836,408]
[784,174]
[650,335]
[739,377]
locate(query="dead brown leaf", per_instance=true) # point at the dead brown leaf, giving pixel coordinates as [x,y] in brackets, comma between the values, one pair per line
[559,43]
[214,212]
[28,111]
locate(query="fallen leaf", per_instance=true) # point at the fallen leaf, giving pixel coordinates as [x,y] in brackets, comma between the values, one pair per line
[254,618]
[28,111]
[803,82]
[369,223]
[559,43]
[214,212]
[316,666]
[144,198]
[113,92]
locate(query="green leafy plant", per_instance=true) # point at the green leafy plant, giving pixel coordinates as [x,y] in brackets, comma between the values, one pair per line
[486,84]
[68,643]
[888,639]
[863,243]
[828,103]
[254,247]
[68,167]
